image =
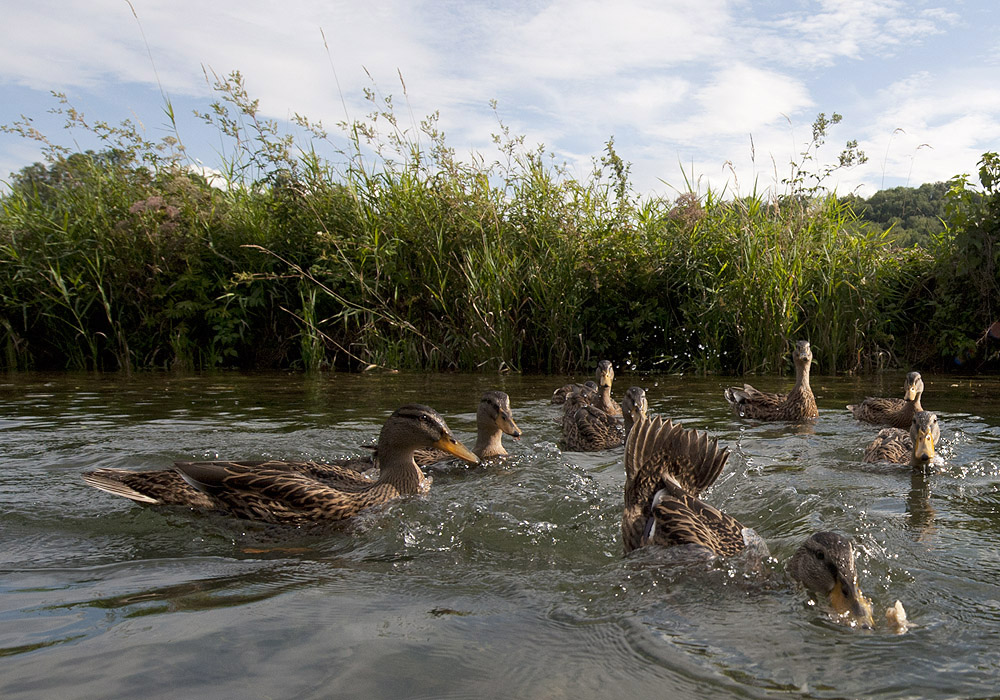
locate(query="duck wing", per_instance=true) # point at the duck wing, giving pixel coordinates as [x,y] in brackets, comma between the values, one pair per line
[158,487]
[277,494]
[685,520]
[748,402]
[660,450]
[588,429]
[890,445]
[666,467]
[879,410]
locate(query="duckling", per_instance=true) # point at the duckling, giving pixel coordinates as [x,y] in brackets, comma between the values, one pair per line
[493,419]
[916,447]
[667,467]
[586,428]
[295,493]
[798,405]
[896,413]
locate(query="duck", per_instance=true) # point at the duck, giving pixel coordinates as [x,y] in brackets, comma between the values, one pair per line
[560,395]
[635,406]
[493,420]
[668,468]
[916,447]
[605,375]
[587,428]
[896,413]
[797,405]
[294,493]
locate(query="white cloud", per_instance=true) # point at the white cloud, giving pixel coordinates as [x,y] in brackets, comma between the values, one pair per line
[571,40]
[684,81]
[845,29]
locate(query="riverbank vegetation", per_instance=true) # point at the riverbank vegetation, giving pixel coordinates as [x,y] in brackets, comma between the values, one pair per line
[398,254]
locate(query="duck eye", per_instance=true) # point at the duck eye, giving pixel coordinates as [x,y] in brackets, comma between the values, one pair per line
[820,556]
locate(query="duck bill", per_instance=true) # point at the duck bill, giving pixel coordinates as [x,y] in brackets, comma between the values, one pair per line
[454,447]
[508,426]
[847,600]
[911,393]
[604,380]
[923,449]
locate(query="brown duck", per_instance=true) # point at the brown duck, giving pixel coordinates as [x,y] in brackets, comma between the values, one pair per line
[605,376]
[668,467]
[493,420]
[294,492]
[916,447]
[560,395]
[897,413]
[799,404]
[635,406]
[587,428]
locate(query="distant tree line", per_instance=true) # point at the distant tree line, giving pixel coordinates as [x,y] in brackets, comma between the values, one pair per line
[912,215]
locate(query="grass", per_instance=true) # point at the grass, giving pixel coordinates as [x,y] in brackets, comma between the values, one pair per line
[399,255]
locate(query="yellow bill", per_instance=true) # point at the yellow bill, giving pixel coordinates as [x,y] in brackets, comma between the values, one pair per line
[454,447]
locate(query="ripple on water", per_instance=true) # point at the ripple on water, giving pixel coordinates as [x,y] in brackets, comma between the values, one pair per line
[506,580]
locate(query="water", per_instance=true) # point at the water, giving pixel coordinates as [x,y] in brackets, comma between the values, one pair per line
[505,581]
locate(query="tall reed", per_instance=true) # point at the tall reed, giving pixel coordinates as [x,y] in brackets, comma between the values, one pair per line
[399,254]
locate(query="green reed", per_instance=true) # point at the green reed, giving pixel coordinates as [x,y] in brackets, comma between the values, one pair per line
[395,253]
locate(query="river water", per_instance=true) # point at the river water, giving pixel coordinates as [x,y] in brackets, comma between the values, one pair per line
[506,580]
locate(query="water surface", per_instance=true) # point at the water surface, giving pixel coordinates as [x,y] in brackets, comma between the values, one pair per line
[507,580]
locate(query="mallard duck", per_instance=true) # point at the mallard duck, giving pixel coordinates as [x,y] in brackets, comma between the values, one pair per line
[915,447]
[493,419]
[294,492]
[799,404]
[825,565]
[667,467]
[897,413]
[560,395]
[634,407]
[603,400]
[587,428]
[605,375]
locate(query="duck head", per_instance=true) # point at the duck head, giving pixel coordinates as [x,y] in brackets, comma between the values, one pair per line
[824,564]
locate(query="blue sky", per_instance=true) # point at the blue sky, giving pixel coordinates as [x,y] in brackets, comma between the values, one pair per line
[683,86]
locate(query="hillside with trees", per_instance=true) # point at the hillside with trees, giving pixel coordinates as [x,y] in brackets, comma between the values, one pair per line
[912,215]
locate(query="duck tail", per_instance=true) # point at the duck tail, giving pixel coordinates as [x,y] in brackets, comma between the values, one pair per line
[111,481]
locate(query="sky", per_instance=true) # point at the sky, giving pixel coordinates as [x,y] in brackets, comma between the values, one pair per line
[716,94]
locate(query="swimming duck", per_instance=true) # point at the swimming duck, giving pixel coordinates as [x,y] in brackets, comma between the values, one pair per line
[667,467]
[634,407]
[587,428]
[799,404]
[560,395]
[604,375]
[493,419]
[915,447]
[824,564]
[294,493]
[603,400]
[897,413]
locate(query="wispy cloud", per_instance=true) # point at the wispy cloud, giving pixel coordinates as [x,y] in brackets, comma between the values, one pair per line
[672,80]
